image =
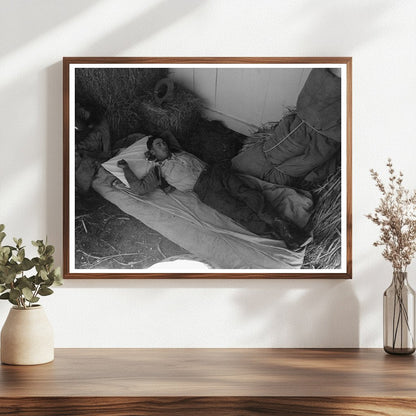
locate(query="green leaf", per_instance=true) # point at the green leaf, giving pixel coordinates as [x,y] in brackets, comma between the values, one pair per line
[21,255]
[2,227]
[15,294]
[58,280]
[26,264]
[18,242]
[4,254]
[7,296]
[27,293]
[2,236]
[43,275]
[56,272]
[14,268]
[38,280]
[45,291]
[48,282]
[9,277]
[37,243]
[47,261]
[49,250]
[5,250]
[24,282]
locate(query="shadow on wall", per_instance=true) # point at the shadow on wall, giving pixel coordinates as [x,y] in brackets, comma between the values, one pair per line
[156,19]
[41,16]
[150,22]
[301,314]
[350,24]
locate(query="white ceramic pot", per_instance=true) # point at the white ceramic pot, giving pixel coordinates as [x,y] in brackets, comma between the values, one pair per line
[27,337]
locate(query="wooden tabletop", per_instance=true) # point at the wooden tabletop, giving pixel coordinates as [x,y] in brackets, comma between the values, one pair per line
[215,374]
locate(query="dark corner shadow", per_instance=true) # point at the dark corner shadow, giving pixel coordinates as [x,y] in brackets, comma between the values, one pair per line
[160,16]
[303,313]
[39,17]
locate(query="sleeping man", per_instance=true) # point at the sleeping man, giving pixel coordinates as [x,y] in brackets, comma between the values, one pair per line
[215,185]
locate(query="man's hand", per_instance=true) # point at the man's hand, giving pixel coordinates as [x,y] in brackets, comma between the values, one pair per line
[122,164]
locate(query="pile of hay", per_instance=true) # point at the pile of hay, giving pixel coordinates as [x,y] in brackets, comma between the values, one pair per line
[325,250]
[261,135]
[127,99]
[180,115]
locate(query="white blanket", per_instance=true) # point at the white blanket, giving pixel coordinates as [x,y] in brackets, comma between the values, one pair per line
[201,230]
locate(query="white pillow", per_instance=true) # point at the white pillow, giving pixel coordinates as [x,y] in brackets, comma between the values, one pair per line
[134,155]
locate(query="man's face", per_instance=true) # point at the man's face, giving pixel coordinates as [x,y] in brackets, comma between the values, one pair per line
[160,149]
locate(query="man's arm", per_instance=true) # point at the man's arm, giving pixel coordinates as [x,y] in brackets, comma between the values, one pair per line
[171,140]
[140,186]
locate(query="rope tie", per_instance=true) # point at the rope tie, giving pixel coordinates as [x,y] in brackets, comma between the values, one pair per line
[284,138]
[289,134]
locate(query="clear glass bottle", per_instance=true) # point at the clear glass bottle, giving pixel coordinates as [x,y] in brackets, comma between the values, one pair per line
[399,316]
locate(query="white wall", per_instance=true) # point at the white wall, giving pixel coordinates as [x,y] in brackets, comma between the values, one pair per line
[261,96]
[380,35]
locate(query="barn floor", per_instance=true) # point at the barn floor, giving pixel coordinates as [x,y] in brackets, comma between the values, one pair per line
[108,238]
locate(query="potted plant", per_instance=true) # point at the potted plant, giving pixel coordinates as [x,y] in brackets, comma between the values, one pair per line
[27,336]
[396,217]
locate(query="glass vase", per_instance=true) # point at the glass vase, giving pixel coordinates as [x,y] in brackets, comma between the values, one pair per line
[399,316]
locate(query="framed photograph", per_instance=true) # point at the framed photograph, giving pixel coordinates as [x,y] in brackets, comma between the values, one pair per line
[207,167]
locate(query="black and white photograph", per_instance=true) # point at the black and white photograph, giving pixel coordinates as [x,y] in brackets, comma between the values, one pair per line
[214,167]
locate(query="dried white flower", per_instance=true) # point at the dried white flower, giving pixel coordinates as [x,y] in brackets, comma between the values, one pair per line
[396,217]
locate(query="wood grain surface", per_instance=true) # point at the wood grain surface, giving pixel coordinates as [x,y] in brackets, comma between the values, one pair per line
[212,381]
[207,406]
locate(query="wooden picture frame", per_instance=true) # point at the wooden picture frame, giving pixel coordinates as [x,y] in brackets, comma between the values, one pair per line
[254,100]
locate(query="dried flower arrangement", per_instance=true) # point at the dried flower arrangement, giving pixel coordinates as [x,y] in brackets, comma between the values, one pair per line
[396,217]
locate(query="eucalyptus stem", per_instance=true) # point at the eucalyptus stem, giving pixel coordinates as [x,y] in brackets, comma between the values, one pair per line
[36,291]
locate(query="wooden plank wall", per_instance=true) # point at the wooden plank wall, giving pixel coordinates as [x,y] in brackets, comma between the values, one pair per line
[244,98]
